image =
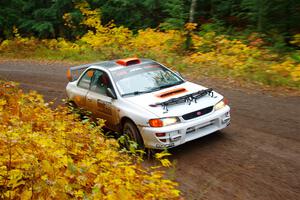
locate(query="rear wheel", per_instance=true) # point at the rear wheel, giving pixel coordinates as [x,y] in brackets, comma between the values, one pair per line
[130,129]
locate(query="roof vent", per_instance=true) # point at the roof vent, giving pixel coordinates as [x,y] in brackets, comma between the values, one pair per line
[128,61]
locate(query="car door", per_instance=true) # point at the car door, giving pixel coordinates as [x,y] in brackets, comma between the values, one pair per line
[101,105]
[82,89]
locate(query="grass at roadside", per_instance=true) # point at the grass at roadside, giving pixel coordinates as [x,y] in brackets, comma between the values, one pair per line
[210,55]
[257,71]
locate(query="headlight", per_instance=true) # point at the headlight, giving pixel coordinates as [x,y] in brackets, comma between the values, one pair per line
[163,121]
[221,104]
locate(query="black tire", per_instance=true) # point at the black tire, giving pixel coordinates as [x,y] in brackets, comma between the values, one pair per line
[130,129]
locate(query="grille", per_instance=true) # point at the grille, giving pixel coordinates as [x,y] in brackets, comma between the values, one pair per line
[197,113]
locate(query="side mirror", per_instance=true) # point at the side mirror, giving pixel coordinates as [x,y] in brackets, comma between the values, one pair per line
[110,93]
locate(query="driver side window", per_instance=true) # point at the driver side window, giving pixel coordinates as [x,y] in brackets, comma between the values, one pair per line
[100,82]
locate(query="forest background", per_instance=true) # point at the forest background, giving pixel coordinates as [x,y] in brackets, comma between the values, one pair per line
[252,40]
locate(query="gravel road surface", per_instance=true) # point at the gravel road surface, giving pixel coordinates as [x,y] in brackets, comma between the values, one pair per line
[256,157]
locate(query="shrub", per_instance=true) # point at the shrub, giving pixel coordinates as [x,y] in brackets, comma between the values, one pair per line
[249,58]
[51,154]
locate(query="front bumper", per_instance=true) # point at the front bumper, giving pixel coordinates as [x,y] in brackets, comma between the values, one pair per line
[185,131]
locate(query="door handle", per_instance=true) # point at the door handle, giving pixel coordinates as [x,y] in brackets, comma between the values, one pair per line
[103,102]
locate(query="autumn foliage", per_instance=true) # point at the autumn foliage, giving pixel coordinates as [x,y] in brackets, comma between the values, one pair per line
[52,154]
[210,53]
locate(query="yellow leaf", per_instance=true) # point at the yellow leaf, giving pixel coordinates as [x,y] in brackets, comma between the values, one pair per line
[2,102]
[161,155]
[26,195]
[165,162]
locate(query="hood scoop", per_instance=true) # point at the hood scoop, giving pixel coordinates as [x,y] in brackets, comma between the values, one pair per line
[171,92]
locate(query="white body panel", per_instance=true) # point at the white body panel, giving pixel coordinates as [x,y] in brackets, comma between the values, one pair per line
[178,109]
[138,109]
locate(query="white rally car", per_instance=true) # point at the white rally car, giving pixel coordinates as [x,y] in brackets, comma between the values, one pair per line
[153,105]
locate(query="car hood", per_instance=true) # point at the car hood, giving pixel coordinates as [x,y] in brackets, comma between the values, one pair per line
[149,99]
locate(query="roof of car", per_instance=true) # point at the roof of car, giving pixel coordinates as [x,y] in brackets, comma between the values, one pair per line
[109,65]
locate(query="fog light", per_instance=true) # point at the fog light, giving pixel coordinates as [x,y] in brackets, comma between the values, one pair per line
[160,134]
[163,140]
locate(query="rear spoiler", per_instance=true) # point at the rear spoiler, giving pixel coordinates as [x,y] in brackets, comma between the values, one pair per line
[73,73]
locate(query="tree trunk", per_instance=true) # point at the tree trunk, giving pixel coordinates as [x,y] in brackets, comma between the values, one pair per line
[259,15]
[188,41]
[192,11]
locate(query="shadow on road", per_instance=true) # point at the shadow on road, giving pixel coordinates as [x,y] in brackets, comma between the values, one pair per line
[198,144]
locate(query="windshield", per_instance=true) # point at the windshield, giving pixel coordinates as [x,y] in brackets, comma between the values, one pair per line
[144,78]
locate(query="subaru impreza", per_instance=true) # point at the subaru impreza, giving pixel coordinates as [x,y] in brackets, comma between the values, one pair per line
[145,100]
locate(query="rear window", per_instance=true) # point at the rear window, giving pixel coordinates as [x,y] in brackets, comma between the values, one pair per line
[85,80]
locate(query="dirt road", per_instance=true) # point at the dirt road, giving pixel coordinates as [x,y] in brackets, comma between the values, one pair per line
[257,157]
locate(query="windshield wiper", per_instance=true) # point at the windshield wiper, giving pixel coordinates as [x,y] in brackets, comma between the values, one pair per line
[169,85]
[136,93]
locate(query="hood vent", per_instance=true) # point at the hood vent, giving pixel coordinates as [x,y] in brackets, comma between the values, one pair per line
[171,92]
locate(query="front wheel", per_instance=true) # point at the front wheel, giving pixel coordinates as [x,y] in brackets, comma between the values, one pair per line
[130,130]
